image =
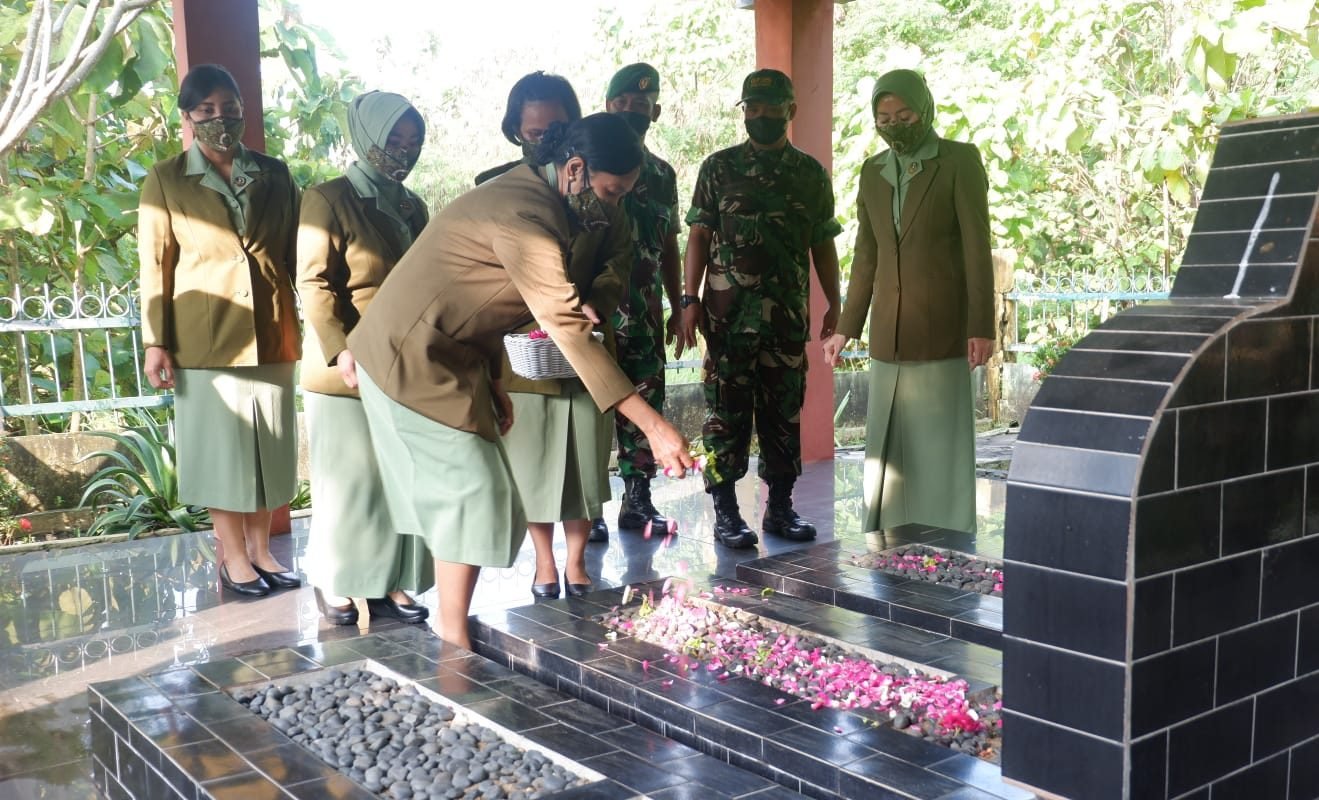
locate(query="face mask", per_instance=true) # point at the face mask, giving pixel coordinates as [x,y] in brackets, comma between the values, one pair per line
[902,138]
[393,162]
[766,130]
[587,208]
[529,149]
[638,122]
[219,133]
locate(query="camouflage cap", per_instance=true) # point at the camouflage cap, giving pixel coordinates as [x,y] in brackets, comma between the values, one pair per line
[642,78]
[767,85]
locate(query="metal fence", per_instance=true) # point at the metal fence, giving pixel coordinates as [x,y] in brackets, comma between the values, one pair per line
[79,351]
[72,351]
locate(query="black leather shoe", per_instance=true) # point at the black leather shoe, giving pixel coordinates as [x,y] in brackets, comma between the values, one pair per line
[279,580]
[579,589]
[599,531]
[546,590]
[336,615]
[253,588]
[386,607]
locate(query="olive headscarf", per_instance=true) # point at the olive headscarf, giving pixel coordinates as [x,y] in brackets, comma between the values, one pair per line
[371,117]
[911,87]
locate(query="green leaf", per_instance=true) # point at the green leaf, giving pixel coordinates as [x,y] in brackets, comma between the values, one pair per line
[23,208]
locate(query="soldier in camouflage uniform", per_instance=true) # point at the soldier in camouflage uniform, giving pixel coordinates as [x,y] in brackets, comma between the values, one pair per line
[761,212]
[639,323]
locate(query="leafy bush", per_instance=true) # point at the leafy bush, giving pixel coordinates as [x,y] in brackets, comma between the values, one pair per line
[138,490]
[302,499]
[1048,354]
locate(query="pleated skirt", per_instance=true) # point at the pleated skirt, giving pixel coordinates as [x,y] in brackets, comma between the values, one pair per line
[353,549]
[452,488]
[920,446]
[559,450]
[236,437]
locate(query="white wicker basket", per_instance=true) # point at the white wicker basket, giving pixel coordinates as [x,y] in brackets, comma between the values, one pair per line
[539,359]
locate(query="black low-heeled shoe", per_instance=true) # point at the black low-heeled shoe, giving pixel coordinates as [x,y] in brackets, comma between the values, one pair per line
[253,588]
[579,589]
[545,590]
[336,615]
[386,607]
[279,580]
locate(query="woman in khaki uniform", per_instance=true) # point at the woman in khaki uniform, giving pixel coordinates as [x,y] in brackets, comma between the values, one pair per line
[429,358]
[922,272]
[559,430]
[217,228]
[352,232]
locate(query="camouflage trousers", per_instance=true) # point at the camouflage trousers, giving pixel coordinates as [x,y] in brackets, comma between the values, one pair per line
[642,360]
[754,380]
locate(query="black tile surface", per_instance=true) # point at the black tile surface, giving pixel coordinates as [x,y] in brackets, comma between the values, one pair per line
[1209,747]
[1046,606]
[1215,598]
[1171,687]
[1263,510]
[1240,215]
[1264,779]
[1254,658]
[1221,441]
[1069,531]
[1278,725]
[1098,395]
[1289,576]
[1304,777]
[1064,688]
[718,775]
[1204,381]
[1149,768]
[289,763]
[1177,529]
[633,772]
[1060,761]
[1121,366]
[1090,431]
[1152,616]
[1282,344]
[907,778]
[1307,657]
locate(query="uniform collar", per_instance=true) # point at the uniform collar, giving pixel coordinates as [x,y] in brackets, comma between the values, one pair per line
[244,171]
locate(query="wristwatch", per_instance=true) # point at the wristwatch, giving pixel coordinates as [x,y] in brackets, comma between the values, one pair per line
[688,300]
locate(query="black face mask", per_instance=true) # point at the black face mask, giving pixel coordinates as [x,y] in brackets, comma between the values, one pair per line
[638,122]
[766,130]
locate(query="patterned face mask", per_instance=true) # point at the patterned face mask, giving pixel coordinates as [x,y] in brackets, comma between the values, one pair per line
[902,138]
[587,207]
[219,133]
[393,162]
[529,149]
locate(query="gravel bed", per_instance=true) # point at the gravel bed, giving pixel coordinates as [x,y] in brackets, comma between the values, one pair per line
[944,567]
[401,745]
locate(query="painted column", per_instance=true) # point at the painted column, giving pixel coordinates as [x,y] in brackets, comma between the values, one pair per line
[224,32]
[796,36]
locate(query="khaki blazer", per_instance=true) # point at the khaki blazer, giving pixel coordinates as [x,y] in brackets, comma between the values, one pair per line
[210,297]
[489,263]
[346,247]
[931,288]
[599,264]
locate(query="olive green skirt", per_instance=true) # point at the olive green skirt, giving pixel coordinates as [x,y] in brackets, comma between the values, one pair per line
[452,488]
[920,446]
[559,450]
[236,437]
[353,549]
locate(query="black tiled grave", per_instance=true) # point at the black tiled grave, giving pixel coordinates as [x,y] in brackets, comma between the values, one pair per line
[821,753]
[200,743]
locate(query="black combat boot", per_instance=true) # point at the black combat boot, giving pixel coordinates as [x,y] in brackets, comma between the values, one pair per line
[780,519]
[729,527]
[637,509]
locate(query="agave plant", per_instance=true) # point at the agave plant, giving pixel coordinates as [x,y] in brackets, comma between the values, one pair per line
[138,490]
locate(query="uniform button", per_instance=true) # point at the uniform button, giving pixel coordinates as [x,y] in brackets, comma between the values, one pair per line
[241,293]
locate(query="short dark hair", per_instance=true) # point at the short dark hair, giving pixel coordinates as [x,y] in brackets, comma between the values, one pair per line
[604,141]
[201,81]
[539,86]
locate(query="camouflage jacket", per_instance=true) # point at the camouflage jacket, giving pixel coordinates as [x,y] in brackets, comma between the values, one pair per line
[765,209]
[652,205]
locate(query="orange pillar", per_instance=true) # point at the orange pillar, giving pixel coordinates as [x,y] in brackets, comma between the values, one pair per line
[224,32]
[796,36]
[228,33]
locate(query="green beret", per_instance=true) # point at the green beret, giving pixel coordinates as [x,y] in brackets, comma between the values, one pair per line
[640,78]
[767,85]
